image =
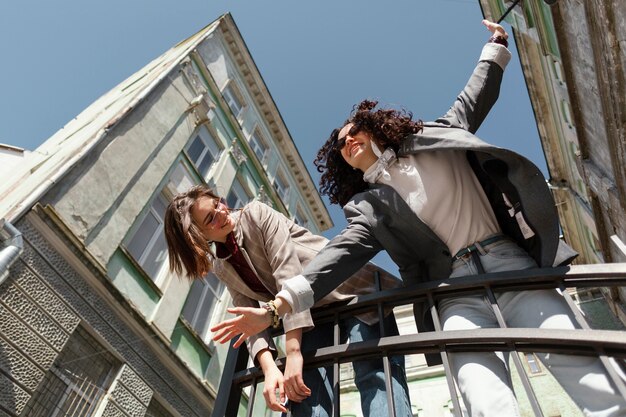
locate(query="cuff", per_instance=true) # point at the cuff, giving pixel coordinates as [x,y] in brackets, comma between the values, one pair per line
[258,342]
[301,320]
[298,293]
[496,53]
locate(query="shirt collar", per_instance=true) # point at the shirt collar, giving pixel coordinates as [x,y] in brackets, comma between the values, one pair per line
[379,169]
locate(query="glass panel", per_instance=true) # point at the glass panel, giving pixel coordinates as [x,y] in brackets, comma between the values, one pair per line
[77,381]
[180,181]
[156,257]
[532,363]
[237,197]
[196,149]
[232,100]
[205,165]
[148,245]
[281,186]
[144,233]
[201,300]
[258,145]
[193,299]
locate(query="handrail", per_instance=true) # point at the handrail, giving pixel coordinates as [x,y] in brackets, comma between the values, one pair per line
[599,343]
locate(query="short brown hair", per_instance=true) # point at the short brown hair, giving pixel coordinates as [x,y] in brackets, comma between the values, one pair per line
[187,247]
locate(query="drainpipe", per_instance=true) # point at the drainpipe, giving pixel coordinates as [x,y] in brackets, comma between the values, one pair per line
[12,247]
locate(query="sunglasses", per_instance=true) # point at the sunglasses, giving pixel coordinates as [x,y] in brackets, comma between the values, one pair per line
[341,142]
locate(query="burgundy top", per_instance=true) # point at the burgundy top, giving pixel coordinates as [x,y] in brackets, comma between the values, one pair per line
[229,251]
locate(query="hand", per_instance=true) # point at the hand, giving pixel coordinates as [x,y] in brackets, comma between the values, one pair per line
[295,388]
[495,28]
[274,380]
[249,322]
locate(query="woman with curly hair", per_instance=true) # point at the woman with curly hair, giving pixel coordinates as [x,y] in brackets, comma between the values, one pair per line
[252,251]
[443,203]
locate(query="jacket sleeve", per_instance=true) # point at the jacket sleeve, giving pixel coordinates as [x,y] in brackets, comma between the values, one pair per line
[481,91]
[260,340]
[345,254]
[274,230]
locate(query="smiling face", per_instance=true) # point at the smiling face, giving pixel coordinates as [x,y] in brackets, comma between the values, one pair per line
[356,147]
[213,219]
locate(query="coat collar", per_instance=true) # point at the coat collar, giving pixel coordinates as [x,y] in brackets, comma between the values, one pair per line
[225,271]
[392,201]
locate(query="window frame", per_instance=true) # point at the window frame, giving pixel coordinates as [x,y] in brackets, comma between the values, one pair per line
[207,291]
[283,190]
[207,136]
[231,93]
[165,192]
[258,141]
[232,190]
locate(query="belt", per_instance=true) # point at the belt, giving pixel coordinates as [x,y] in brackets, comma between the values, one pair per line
[474,246]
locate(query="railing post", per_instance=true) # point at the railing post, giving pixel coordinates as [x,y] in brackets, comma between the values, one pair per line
[444,359]
[229,395]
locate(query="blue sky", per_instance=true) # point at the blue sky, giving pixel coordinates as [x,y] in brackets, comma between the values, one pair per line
[318,59]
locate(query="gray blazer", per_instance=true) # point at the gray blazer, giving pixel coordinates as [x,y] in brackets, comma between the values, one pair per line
[379,219]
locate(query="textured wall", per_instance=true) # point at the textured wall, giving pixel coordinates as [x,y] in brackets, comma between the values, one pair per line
[35,325]
[41,303]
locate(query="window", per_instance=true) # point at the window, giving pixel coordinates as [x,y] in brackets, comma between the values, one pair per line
[300,218]
[147,245]
[237,196]
[282,187]
[533,363]
[259,145]
[565,111]
[77,382]
[201,300]
[233,99]
[203,151]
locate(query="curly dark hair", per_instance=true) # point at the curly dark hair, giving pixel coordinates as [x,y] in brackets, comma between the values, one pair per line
[387,127]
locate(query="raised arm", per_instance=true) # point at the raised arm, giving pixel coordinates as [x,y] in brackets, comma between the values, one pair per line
[483,88]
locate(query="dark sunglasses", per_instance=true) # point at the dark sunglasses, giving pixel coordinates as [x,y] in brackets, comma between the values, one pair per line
[341,142]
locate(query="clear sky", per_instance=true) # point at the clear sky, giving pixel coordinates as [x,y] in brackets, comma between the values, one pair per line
[318,58]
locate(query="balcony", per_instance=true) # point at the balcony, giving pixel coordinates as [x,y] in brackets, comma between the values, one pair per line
[605,344]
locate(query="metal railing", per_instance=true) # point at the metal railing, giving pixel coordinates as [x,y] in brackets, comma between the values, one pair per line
[603,344]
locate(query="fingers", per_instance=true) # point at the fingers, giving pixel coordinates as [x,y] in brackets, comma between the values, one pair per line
[495,28]
[224,324]
[229,322]
[296,389]
[240,341]
[281,392]
[226,336]
[270,399]
[302,388]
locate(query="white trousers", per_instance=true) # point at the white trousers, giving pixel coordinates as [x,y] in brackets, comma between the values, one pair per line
[483,377]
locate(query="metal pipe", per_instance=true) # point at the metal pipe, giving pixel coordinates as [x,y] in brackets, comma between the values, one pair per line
[12,247]
[511,7]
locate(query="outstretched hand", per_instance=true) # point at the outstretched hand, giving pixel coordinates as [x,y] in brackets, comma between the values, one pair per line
[249,322]
[495,28]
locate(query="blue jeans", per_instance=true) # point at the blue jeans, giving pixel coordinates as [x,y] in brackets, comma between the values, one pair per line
[483,377]
[369,374]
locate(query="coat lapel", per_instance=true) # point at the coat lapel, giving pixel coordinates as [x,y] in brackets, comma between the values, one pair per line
[393,202]
[225,270]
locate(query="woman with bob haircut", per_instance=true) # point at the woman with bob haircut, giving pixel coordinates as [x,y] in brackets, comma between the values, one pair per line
[443,203]
[252,251]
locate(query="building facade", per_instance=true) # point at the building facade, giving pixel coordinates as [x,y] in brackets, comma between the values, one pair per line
[574,62]
[91,320]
